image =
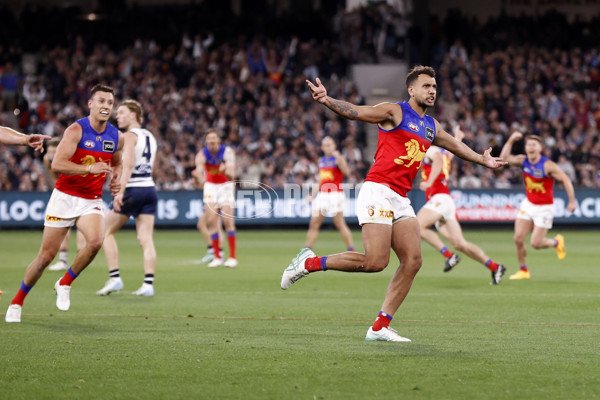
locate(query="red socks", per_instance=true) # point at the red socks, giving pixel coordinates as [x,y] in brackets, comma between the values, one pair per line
[231,240]
[491,264]
[383,321]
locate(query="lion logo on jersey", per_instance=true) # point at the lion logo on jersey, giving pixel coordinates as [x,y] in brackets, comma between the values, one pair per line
[414,153]
[532,186]
[326,175]
[90,160]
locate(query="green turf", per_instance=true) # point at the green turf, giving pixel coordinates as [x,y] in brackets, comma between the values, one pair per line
[234,334]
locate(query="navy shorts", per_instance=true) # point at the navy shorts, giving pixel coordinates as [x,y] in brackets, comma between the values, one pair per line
[138,200]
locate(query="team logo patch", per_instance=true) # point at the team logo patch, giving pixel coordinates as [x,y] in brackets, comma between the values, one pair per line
[53,219]
[413,127]
[108,145]
[371,211]
[89,144]
[414,154]
[429,133]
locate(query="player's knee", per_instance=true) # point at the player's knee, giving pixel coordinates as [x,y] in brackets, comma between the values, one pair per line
[460,246]
[94,244]
[537,244]
[45,257]
[376,264]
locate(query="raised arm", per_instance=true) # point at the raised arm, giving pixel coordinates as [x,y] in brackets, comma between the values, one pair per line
[229,164]
[553,170]
[386,114]
[448,142]
[513,160]
[341,163]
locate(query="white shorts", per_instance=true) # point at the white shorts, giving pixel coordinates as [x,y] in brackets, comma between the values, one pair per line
[378,204]
[328,203]
[63,210]
[221,194]
[541,215]
[442,204]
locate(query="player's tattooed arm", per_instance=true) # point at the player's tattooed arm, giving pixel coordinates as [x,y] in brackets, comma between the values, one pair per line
[343,108]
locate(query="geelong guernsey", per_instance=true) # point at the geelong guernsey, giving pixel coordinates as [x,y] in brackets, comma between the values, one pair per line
[145,152]
[538,186]
[92,148]
[330,176]
[213,162]
[401,151]
[440,185]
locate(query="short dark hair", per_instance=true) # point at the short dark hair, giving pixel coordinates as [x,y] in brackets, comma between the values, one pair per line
[417,70]
[534,137]
[101,88]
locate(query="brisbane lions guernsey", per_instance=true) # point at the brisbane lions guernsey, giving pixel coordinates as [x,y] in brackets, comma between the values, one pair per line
[538,186]
[440,185]
[330,176]
[213,174]
[92,148]
[401,151]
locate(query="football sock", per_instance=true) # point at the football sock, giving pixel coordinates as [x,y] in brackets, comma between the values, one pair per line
[62,256]
[382,321]
[209,250]
[114,273]
[149,279]
[21,294]
[68,278]
[491,264]
[314,264]
[555,242]
[215,244]
[445,252]
[350,248]
[231,240]
[524,268]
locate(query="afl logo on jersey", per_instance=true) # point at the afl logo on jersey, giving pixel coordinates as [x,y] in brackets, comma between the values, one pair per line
[89,144]
[413,127]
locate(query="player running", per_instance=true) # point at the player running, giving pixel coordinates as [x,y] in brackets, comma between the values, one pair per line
[441,211]
[537,208]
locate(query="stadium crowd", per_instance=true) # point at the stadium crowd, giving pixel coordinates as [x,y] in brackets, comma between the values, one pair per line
[253,90]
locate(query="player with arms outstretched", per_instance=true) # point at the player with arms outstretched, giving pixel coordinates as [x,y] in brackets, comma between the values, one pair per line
[384,211]
[536,213]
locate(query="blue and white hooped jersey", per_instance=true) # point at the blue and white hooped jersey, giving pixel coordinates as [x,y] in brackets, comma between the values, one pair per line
[145,153]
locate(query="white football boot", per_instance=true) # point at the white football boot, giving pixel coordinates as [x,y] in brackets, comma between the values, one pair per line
[63,296]
[384,335]
[111,285]
[145,290]
[296,270]
[59,266]
[231,262]
[13,314]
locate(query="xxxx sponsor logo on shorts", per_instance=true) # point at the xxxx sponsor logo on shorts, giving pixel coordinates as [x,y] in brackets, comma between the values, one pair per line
[386,214]
[52,219]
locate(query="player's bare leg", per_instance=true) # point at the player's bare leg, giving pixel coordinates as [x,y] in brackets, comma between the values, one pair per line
[453,233]
[212,224]
[63,263]
[144,224]
[51,240]
[522,229]
[427,218]
[316,220]
[114,222]
[342,227]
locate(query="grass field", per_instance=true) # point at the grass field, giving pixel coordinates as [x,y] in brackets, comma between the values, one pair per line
[234,334]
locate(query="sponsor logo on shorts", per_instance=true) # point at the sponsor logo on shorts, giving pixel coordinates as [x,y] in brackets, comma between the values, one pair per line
[413,127]
[108,145]
[50,218]
[89,144]
[386,214]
